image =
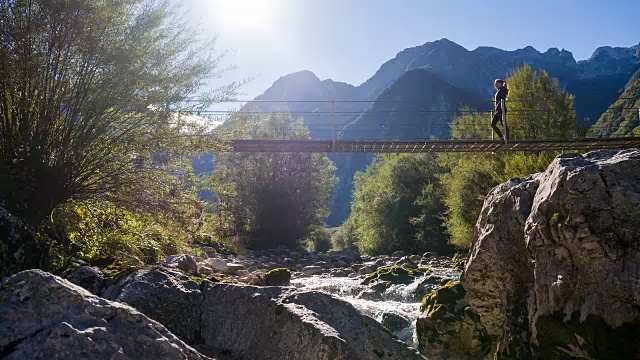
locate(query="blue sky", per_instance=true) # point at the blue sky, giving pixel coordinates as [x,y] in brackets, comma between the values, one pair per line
[347,40]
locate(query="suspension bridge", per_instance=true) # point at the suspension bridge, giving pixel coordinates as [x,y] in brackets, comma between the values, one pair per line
[431,146]
[336,144]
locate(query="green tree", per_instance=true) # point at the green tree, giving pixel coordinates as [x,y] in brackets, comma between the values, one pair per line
[471,125]
[464,188]
[537,108]
[395,205]
[346,237]
[88,93]
[272,199]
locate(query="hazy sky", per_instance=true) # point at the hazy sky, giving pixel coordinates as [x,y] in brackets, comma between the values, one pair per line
[348,40]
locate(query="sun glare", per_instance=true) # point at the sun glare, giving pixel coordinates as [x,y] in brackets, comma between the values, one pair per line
[245,14]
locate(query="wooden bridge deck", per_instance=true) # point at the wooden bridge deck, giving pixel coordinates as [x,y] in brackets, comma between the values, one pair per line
[375,146]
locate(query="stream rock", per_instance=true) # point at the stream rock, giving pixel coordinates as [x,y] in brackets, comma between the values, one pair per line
[43,316]
[394,322]
[184,262]
[90,278]
[312,270]
[274,323]
[258,322]
[219,265]
[165,295]
[554,267]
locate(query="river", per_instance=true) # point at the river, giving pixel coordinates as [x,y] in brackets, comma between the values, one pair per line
[403,300]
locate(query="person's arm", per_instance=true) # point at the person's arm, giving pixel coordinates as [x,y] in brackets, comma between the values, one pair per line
[500,95]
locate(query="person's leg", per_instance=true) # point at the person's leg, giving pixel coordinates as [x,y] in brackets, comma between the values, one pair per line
[497,118]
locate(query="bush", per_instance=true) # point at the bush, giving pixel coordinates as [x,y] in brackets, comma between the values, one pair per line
[101,230]
[271,199]
[397,205]
[320,240]
[346,237]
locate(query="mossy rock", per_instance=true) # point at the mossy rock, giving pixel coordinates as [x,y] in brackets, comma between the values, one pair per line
[588,339]
[119,268]
[277,277]
[451,294]
[385,277]
[448,328]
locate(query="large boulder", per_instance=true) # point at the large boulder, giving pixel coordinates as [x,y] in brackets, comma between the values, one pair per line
[219,265]
[277,277]
[257,322]
[43,316]
[165,295]
[184,262]
[20,248]
[281,323]
[555,264]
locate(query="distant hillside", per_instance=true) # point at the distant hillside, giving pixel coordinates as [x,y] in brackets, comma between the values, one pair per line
[302,92]
[416,105]
[622,118]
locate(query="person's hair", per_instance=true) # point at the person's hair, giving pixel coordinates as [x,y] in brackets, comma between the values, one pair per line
[503,82]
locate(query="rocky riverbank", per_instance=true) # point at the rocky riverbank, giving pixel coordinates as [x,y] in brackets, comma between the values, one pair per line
[553,271]
[219,303]
[552,274]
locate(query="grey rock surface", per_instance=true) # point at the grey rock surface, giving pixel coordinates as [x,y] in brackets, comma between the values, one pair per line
[165,295]
[293,324]
[184,262]
[312,270]
[43,316]
[90,278]
[394,322]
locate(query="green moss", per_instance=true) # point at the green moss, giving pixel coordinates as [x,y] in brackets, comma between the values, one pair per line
[385,277]
[118,268]
[277,277]
[554,219]
[197,279]
[449,294]
[448,323]
[591,338]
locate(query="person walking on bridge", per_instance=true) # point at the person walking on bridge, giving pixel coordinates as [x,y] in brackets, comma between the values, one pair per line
[501,94]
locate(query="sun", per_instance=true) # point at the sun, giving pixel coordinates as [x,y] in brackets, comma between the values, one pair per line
[248,15]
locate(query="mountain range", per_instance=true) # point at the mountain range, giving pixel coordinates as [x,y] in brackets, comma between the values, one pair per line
[438,70]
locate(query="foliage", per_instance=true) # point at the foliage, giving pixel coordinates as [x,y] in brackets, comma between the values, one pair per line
[470,177]
[471,125]
[95,231]
[88,90]
[271,199]
[622,118]
[319,240]
[396,206]
[537,108]
[465,186]
[346,237]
